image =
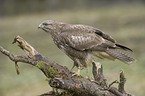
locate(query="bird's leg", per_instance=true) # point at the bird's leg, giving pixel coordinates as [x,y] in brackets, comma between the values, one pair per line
[79,68]
[78,72]
[72,67]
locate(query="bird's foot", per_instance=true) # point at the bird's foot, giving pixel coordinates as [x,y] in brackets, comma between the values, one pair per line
[76,73]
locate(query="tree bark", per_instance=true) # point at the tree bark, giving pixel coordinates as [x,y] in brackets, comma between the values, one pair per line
[62,78]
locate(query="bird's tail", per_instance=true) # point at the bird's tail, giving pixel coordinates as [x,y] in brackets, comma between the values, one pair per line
[120,55]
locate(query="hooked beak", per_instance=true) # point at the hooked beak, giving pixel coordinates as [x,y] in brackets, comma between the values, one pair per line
[40,26]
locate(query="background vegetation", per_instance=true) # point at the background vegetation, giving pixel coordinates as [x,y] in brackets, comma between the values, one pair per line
[124,20]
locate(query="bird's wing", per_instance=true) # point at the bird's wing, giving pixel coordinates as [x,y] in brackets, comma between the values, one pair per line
[105,36]
[82,40]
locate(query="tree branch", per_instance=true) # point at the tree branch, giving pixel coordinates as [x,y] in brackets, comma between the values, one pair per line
[15,58]
[62,77]
[82,87]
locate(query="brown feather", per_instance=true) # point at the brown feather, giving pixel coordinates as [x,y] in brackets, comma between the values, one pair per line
[81,41]
[105,36]
[120,55]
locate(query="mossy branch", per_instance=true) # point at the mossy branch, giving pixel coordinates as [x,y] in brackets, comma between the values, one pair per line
[63,78]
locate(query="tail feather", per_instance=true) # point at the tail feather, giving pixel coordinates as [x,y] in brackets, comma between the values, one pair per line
[120,55]
[123,47]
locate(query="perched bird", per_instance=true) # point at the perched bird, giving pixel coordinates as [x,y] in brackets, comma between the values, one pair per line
[82,43]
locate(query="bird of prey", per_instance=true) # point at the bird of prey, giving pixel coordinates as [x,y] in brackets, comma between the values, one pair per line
[82,43]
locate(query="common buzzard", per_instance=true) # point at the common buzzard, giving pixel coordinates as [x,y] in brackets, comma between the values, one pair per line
[82,43]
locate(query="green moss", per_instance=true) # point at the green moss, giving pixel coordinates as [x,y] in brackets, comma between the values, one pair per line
[52,71]
[47,69]
[41,65]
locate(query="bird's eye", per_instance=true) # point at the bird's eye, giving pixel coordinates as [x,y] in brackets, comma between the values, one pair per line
[44,24]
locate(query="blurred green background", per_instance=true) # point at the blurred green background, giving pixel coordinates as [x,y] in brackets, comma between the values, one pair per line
[124,20]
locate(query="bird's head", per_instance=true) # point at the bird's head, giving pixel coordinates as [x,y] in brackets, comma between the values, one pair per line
[49,25]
